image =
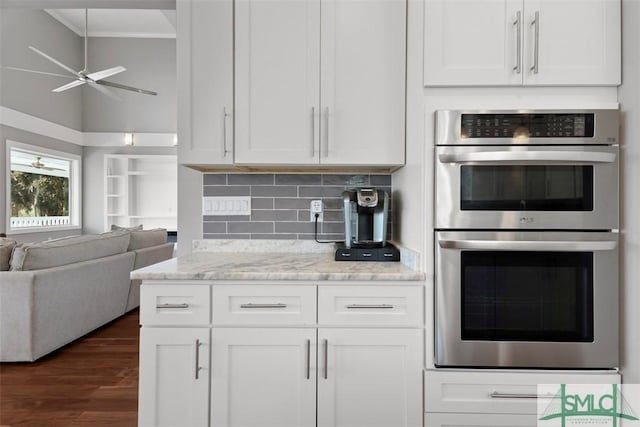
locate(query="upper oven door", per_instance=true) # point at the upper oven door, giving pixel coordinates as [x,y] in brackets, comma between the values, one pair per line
[527,187]
[530,127]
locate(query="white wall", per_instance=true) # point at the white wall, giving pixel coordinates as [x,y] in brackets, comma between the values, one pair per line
[8,133]
[31,93]
[629,95]
[150,64]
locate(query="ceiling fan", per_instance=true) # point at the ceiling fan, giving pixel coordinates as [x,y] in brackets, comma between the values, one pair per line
[95,80]
[39,165]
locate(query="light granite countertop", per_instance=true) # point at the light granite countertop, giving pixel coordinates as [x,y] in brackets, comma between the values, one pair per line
[224,262]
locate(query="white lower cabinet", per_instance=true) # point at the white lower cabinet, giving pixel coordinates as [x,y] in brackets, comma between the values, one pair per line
[369,377]
[174,377]
[242,355]
[263,377]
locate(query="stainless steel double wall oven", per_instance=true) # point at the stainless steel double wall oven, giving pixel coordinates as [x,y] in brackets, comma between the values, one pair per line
[526,239]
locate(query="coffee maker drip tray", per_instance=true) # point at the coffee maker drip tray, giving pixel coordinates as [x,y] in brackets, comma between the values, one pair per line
[383,254]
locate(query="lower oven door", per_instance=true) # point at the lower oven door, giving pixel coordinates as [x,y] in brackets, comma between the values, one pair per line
[527,299]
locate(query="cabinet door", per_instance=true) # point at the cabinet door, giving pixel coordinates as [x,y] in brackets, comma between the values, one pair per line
[263,377]
[277,81]
[363,82]
[369,377]
[205,81]
[473,42]
[578,43]
[174,377]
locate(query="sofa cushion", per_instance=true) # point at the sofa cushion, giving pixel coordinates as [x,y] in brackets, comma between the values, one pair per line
[147,238]
[54,253]
[6,248]
[115,227]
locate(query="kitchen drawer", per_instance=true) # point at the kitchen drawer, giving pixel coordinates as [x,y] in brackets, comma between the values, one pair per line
[262,305]
[480,420]
[392,305]
[471,391]
[175,304]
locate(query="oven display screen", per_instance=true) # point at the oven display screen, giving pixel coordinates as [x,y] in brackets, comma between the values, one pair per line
[527,296]
[548,125]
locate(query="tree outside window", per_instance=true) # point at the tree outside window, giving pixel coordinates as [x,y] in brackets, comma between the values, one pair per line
[42,190]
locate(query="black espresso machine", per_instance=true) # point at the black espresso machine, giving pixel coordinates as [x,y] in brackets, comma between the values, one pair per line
[366,213]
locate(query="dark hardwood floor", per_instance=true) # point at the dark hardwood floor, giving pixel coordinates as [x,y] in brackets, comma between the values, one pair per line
[91,382]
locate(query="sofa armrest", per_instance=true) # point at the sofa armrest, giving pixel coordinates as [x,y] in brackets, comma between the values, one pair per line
[145,257]
[16,316]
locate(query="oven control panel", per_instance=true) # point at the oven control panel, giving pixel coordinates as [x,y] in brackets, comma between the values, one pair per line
[527,125]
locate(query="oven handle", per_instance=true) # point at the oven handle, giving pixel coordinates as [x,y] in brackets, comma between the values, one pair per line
[526,156]
[524,245]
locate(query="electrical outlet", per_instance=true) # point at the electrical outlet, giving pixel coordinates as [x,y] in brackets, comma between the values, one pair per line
[316,208]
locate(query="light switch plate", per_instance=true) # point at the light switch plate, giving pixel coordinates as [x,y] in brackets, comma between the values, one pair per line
[226,206]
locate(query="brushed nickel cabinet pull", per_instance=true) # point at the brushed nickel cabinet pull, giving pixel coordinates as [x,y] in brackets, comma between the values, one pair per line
[518,24]
[370,306]
[498,395]
[536,44]
[224,133]
[326,359]
[251,305]
[197,358]
[308,359]
[180,305]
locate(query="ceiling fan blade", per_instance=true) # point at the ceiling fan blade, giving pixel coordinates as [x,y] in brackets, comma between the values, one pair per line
[55,61]
[104,90]
[132,89]
[99,75]
[69,86]
[38,72]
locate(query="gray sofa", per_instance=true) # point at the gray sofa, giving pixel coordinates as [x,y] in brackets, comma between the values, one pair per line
[56,291]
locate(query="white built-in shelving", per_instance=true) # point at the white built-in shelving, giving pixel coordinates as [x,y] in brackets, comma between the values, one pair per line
[140,189]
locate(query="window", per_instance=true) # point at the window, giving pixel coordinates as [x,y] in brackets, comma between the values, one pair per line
[43,189]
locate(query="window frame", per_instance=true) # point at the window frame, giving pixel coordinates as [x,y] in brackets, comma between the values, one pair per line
[75,187]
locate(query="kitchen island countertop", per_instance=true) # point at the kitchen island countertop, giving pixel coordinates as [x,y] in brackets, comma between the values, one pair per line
[273,266]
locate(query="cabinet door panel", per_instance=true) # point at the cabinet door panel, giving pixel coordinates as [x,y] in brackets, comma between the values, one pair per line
[472,43]
[372,377]
[363,82]
[260,377]
[277,81]
[205,81]
[170,393]
[579,42]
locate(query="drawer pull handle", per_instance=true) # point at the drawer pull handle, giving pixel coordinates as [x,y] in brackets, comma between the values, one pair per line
[308,359]
[326,359]
[183,305]
[498,395]
[251,305]
[370,306]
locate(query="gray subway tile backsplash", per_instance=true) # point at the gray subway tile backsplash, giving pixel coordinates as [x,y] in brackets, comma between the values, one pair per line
[280,204]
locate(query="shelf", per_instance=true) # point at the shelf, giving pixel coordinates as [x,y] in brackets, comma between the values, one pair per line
[114,195]
[113,215]
[115,176]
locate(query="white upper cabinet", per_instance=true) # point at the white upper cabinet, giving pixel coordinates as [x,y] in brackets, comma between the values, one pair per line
[316,88]
[205,81]
[471,42]
[522,42]
[578,42]
[277,81]
[363,82]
